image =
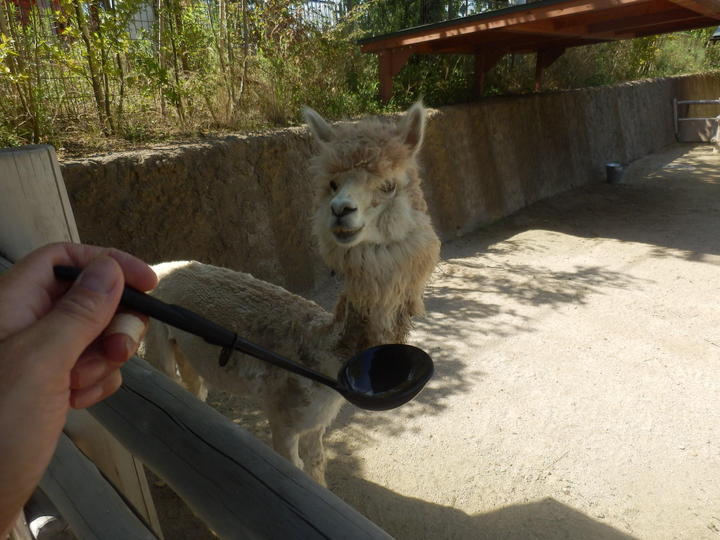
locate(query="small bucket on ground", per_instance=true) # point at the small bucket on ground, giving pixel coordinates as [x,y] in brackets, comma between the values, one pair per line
[614,172]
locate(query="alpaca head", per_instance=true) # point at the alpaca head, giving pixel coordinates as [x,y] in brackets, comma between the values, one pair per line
[371,220]
[366,179]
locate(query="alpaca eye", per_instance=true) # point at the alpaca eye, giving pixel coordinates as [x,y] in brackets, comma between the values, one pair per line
[388,187]
[333,185]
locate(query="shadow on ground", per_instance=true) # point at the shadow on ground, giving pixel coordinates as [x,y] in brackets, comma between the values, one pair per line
[545,519]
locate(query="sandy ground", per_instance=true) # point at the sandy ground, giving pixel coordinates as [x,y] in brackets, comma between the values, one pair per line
[577,394]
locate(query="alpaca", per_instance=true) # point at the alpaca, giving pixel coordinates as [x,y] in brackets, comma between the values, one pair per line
[372,227]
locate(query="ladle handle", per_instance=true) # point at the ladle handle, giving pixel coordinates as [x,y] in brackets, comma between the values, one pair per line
[195,324]
[176,316]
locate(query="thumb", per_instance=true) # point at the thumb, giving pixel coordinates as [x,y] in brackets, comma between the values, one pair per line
[83,312]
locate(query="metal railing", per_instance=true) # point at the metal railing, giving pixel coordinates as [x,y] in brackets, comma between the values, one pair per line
[706,125]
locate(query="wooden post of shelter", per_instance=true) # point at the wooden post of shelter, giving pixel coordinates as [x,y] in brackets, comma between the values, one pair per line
[391,62]
[35,210]
[545,58]
[485,60]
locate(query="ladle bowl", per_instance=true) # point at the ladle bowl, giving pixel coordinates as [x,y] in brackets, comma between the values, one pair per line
[385,376]
[380,378]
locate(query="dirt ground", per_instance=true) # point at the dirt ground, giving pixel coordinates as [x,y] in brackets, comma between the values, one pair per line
[577,390]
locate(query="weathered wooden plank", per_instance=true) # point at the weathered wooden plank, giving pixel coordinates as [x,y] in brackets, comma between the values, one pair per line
[125,471]
[35,210]
[88,503]
[235,483]
[34,205]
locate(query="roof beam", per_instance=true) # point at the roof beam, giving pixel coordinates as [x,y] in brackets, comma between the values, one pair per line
[529,15]
[633,24]
[504,40]
[708,8]
[565,43]
[547,28]
[700,22]
[614,23]
[615,13]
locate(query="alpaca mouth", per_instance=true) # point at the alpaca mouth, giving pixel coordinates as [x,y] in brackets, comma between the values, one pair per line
[345,235]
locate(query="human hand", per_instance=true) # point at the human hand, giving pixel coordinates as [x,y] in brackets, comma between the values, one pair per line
[55,352]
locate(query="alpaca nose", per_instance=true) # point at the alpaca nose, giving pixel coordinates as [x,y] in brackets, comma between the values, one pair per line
[342,208]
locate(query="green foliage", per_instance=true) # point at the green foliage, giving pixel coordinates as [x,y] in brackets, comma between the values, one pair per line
[77,73]
[8,137]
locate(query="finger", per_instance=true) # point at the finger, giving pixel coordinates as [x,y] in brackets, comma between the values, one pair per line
[124,333]
[87,397]
[118,343]
[80,315]
[90,369]
[31,287]
[37,266]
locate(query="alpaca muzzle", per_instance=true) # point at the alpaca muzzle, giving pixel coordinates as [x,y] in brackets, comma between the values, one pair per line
[345,234]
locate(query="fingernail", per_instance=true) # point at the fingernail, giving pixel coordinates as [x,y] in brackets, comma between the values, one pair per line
[100,275]
[125,323]
[130,346]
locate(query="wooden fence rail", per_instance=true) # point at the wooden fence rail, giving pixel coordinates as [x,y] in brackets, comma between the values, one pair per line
[235,483]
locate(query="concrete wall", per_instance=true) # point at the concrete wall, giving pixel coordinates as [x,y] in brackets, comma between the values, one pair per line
[245,202]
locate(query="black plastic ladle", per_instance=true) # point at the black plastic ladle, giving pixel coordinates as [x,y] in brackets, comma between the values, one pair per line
[379,378]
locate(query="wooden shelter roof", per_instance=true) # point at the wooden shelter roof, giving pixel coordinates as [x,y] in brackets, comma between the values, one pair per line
[547,27]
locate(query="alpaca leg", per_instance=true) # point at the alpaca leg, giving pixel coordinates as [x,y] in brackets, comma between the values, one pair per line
[190,377]
[285,442]
[158,350]
[313,452]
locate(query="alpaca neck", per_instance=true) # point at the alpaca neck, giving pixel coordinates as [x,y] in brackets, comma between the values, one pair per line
[364,327]
[383,288]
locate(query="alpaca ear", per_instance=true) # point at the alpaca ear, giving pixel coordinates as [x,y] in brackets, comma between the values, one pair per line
[412,126]
[319,127]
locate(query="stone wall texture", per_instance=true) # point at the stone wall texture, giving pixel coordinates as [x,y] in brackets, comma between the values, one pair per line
[245,202]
